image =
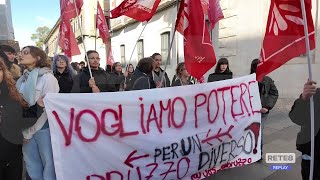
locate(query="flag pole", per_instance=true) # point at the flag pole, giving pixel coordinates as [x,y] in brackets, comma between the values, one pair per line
[84,46]
[170,48]
[168,57]
[306,32]
[95,36]
[127,66]
[134,48]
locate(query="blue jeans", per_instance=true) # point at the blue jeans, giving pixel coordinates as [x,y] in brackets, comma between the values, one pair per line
[38,156]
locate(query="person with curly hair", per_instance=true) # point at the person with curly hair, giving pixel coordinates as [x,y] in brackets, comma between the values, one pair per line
[11,124]
[34,84]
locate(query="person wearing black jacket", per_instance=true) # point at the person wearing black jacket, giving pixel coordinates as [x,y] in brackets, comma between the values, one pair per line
[158,73]
[64,73]
[268,95]
[182,76]
[118,76]
[140,79]
[300,115]
[221,72]
[101,81]
[11,125]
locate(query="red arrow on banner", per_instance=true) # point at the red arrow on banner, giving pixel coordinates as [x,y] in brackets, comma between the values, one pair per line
[130,158]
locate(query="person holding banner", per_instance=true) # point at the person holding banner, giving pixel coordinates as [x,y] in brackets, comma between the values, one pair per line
[158,73]
[101,81]
[268,95]
[33,85]
[300,115]
[141,77]
[183,76]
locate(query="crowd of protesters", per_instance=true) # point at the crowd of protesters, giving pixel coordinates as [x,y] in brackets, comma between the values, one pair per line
[24,129]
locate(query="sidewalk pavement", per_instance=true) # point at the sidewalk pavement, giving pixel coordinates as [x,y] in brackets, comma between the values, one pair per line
[279,137]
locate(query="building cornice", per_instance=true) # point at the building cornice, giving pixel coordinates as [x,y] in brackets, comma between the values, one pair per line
[52,30]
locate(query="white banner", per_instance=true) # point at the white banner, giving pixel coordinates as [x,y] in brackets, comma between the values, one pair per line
[187,132]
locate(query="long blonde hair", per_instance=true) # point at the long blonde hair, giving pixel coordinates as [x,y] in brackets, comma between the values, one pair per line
[9,81]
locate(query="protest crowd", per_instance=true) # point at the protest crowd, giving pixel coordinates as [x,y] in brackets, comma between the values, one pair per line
[26,77]
[24,85]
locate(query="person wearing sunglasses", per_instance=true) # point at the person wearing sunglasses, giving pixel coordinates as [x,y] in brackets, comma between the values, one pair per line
[33,85]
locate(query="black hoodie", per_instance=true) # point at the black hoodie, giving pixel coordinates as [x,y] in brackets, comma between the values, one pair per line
[65,81]
[140,81]
[300,115]
[118,79]
[220,76]
[103,80]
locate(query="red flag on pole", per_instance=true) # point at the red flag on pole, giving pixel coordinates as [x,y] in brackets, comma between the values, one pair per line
[198,50]
[102,24]
[214,12]
[141,10]
[205,6]
[284,38]
[67,8]
[110,60]
[67,40]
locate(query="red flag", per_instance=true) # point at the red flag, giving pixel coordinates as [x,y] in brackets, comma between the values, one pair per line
[102,24]
[180,18]
[110,60]
[67,8]
[214,12]
[284,38]
[198,50]
[205,6]
[67,40]
[141,10]
[211,8]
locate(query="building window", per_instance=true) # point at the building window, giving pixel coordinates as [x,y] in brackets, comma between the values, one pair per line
[123,54]
[165,43]
[140,48]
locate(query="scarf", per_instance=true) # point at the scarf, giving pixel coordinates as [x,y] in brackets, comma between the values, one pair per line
[29,81]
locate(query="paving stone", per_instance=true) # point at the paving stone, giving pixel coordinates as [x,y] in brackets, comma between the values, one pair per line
[254,171]
[293,174]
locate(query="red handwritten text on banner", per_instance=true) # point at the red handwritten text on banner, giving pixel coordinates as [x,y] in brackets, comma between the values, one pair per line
[188,132]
